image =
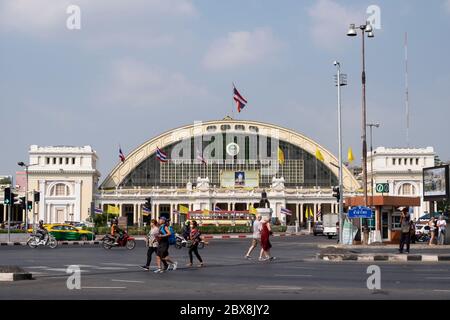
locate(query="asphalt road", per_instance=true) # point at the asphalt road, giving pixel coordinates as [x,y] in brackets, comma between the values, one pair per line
[295,274]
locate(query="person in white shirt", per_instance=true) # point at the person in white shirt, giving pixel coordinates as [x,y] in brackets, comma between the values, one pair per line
[256,236]
[442,225]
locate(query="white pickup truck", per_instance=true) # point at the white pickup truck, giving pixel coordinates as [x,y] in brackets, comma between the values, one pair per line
[329,225]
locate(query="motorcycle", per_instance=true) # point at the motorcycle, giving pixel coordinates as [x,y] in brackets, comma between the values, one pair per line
[182,242]
[108,241]
[34,241]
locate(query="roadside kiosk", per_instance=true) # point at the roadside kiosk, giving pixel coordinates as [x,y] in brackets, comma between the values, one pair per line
[387,215]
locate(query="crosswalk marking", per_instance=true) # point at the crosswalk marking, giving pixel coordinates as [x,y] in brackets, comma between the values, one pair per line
[280,288]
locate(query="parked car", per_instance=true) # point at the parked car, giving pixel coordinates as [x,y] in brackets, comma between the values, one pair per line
[318,228]
[67,232]
[330,225]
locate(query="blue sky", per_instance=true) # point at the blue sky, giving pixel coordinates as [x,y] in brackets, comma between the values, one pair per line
[140,67]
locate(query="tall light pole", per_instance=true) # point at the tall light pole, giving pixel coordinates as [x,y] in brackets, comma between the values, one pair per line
[22,164]
[371,126]
[366,28]
[340,81]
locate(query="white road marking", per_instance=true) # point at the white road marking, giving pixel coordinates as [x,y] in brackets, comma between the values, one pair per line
[110,268]
[120,264]
[103,287]
[131,281]
[293,275]
[438,278]
[278,288]
[61,270]
[37,267]
[442,290]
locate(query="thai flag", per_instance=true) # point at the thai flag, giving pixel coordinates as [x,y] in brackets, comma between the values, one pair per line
[146,210]
[216,208]
[200,157]
[240,100]
[98,211]
[286,211]
[161,155]
[318,214]
[121,155]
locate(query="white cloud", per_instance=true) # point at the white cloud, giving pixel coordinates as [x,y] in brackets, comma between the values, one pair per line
[135,84]
[48,17]
[241,48]
[330,22]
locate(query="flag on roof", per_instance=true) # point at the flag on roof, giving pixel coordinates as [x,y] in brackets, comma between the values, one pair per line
[200,157]
[319,155]
[161,155]
[280,156]
[240,100]
[121,155]
[286,211]
[350,156]
[98,211]
[216,208]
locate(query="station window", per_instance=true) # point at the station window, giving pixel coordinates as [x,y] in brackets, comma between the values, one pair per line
[239,127]
[253,128]
[73,160]
[60,160]
[395,221]
[417,161]
[393,161]
[67,160]
[47,160]
[54,160]
[225,127]
[211,128]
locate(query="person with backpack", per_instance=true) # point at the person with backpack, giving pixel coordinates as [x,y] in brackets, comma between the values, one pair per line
[195,238]
[163,247]
[405,225]
[172,240]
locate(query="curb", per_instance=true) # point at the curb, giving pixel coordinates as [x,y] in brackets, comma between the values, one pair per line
[64,243]
[384,257]
[247,236]
[15,276]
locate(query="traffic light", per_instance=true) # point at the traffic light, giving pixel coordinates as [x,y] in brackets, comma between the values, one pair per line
[22,203]
[7,197]
[148,204]
[30,205]
[37,196]
[337,193]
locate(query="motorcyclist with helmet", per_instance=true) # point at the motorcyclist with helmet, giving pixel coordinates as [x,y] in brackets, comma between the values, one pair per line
[116,232]
[42,232]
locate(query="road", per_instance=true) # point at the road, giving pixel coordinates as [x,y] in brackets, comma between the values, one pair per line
[295,274]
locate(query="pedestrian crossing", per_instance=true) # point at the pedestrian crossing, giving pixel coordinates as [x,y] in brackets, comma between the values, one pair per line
[84,268]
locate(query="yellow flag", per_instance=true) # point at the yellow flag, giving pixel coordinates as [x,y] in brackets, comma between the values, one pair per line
[183,209]
[319,155]
[205,211]
[350,156]
[112,209]
[310,213]
[252,210]
[280,156]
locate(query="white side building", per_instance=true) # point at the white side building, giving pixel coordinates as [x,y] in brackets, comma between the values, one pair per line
[66,178]
[402,169]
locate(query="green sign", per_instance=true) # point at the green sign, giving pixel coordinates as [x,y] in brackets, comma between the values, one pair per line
[382,187]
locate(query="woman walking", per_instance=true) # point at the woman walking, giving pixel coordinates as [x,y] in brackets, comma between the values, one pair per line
[195,238]
[152,243]
[432,225]
[266,231]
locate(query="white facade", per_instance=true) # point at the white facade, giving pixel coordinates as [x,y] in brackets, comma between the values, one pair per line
[402,169]
[66,178]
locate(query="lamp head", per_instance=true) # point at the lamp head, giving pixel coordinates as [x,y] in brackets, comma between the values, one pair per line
[352,31]
[21,164]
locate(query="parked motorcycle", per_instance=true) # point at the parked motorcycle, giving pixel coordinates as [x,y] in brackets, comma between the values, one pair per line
[182,242]
[108,241]
[34,241]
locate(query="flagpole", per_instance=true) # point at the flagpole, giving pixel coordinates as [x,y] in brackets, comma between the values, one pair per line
[232,103]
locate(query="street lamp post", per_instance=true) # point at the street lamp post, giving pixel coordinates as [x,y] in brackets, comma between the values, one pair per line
[371,126]
[367,28]
[340,81]
[22,164]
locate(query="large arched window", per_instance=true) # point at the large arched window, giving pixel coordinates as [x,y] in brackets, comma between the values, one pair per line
[60,190]
[407,190]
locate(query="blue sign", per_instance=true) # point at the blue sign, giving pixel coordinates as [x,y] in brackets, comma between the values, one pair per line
[360,212]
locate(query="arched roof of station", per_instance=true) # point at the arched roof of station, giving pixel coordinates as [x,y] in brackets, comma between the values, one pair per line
[148,148]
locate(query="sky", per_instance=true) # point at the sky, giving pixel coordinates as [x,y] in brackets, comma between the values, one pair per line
[137,68]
